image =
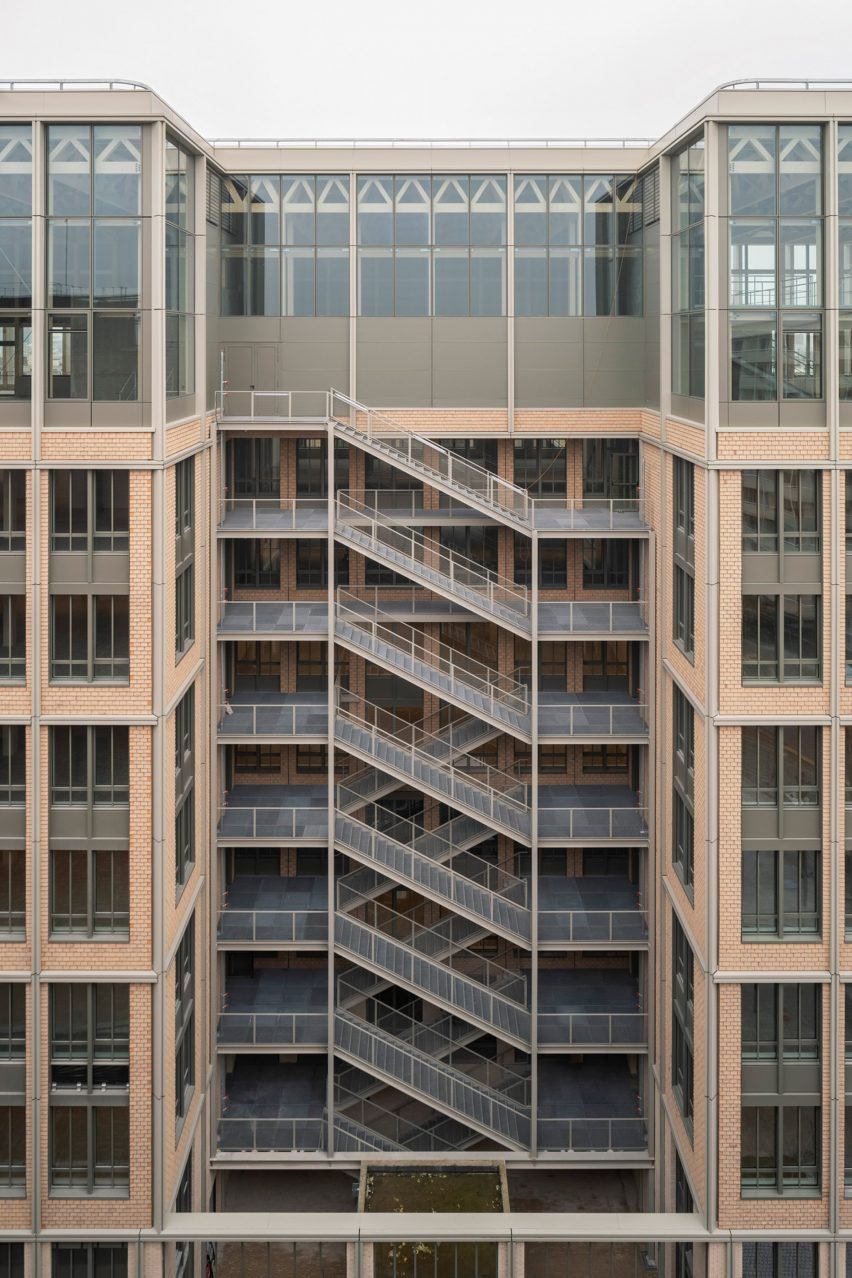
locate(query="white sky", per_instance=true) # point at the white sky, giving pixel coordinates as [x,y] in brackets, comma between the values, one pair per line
[428,68]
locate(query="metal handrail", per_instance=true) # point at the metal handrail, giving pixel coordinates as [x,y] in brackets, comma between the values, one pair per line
[498,690]
[274,926]
[584,816]
[587,1029]
[405,1131]
[296,815]
[273,506]
[431,1040]
[464,577]
[285,607]
[384,725]
[444,943]
[593,718]
[283,144]
[288,398]
[608,610]
[567,926]
[305,1134]
[233,715]
[441,851]
[594,1135]
[273,1029]
[433,458]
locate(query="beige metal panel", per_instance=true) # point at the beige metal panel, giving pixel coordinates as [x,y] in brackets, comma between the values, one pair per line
[469,359]
[548,363]
[313,354]
[394,362]
[613,362]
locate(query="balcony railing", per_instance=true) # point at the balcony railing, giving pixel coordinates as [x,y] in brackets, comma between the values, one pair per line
[591,1029]
[239,821]
[591,719]
[270,720]
[272,514]
[588,926]
[594,1135]
[273,927]
[591,822]
[265,1135]
[248,616]
[272,1029]
[287,405]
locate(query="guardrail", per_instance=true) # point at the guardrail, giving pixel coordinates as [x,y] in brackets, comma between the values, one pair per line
[587,926]
[272,1029]
[246,616]
[599,616]
[261,1135]
[242,719]
[594,719]
[286,405]
[271,514]
[272,926]
[594,1135]
[592,823]
[590,1029]
[241,821]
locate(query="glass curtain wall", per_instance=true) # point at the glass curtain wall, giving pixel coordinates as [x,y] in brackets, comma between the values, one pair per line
[94,250]
[180,271]
[775,205]
[16,252]
[687,182]
[578,244]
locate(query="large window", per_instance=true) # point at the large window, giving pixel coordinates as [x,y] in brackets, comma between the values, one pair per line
[89,766]
[541,466]
[781,638]
[90,1074]
[780,892]
[180,271]
[13,637]
[779,1149]
[780,1260]
[94,248]
[781,765]
[775,295]
[781,511]
[578,244]
[285,244]
[432,245]
[683,1013]
[16,268]
[184,555]
[89,893]
[89,1260]
[13,893]
[781,1022]
[13,765]
[683,775]
[13,511]
[185,1021]
[184,726]
[687,177]
[13,1151]
[683,505]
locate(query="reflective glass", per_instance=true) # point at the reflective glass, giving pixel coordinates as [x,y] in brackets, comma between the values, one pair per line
[234,281]
[375,212]
[597,212]
[628,281]
[69,161]
[566,208]
[450,211]
[752,280]
[179,270]
[412,201]
[801,263]
[565,270]
[531,281]
[16,354]
[696,355]
[800,164]
[234,213]
[68,370]
[117,263]
[844,168]
[628,210]
[265,282]
[332,281]
[265,206]
[597,281]
[530,212]
[298,197]
[751,168]
[452,281]
[115,357]
[845,356]
[802,372]
[375,282]
[488,211]
[178,192]
[68,265]
[695,296]
[16,264]
[845,261]
[487,281]
[680,354]
[298,281]
[753,357]
[411,284]
[16,170]
[180,355]
[118,169]
[332,191]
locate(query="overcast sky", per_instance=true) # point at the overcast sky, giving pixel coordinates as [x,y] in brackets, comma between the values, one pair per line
[428,68]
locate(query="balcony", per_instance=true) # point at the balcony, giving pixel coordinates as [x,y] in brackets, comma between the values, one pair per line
[272,1107]
[592,619]
[275,716]
[588,1008]
[591,814]
[590,911]
[275,911]
[271,620]
[276,1009]
[590,1107]
[274,814]
[276,515]
[564,716]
